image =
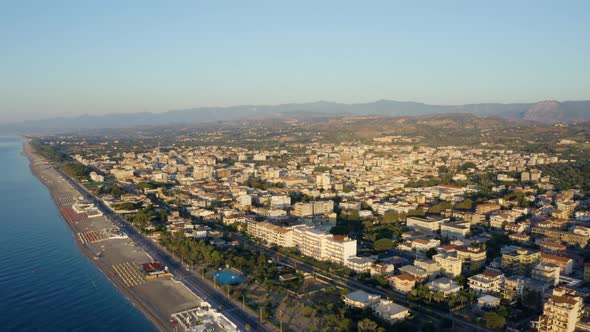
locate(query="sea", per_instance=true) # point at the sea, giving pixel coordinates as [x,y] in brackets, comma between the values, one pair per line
[46,284]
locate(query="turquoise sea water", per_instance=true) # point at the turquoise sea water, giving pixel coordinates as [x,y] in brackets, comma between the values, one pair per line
[46,284]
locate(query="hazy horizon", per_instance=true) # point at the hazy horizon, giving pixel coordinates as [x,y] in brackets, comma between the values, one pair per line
[69,58]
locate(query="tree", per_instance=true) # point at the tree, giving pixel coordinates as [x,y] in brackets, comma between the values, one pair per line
[467,166]
[346,324]
[467,204]
[367,325]
[383,244]
[494,321]
[391,216]
[438,208]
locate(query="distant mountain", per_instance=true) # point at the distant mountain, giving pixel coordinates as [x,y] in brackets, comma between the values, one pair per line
[544,112]
[552,111]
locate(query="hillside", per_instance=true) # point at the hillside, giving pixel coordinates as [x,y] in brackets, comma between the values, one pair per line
[543,112]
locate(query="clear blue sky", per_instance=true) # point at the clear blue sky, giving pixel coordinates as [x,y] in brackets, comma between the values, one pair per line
[96,57]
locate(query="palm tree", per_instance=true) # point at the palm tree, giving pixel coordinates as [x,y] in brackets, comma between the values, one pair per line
[438,296]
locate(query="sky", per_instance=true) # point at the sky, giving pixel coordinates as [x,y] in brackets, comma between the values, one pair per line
[65,58]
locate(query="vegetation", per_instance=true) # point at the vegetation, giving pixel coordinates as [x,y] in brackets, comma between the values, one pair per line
[570,175]
[383,244]
[256,182]
[494,320]
[467,204]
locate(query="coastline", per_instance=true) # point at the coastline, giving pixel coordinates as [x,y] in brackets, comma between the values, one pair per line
[35,164]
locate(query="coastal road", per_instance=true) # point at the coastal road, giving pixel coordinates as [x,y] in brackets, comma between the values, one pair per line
[232,310]
[195,283]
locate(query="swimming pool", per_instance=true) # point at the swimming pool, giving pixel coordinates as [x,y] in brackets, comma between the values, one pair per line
[227,277]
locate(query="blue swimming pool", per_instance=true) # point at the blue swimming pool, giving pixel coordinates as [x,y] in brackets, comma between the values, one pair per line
[227,277]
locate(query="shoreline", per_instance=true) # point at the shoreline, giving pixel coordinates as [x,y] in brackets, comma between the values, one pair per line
[34,165]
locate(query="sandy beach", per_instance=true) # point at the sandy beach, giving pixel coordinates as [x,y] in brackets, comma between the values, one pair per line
[114,254]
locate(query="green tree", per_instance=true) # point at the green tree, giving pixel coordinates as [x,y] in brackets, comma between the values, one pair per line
[467,204]
[494,321]
[383,244]
[367,325]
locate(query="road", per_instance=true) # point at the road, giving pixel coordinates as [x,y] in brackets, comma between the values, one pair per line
[234,311]
[201,287]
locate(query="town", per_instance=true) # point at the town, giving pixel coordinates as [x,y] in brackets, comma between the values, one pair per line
[362,235]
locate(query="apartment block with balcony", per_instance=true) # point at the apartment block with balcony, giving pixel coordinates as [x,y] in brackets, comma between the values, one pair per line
[450,266]
[561,312]
[473,258]
[272,234]
[487,282]
[520,260]
[565,264]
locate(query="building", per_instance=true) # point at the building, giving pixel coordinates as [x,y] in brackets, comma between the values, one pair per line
[361,299]
[313,208]
[320,245]
[96,177]
[561,312]
[546,272]
[487,282]
[444,285]
[565,264]
[309,241]
[450,266]
[472,257]
[403,282]
[513,288]
[244,200]
[338,249]
[122,174]
[486,208]
[429,224]
[520,260]
[563,236]
[414,271]
[488,301]
[431,267]
[421,246]
[272,234]
[455,231]
[360,264]
[390,311]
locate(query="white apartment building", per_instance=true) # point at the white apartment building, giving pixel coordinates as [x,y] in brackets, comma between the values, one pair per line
[454,231]
[312,208]
[487,282]
[272,234]
[244,200]
[450,265]
[429,224]
[323,246]
[309,241]
[444,285]
[360,264]
[546,272]
[421,246]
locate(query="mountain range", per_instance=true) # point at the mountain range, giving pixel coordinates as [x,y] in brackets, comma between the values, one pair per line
[543,112]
